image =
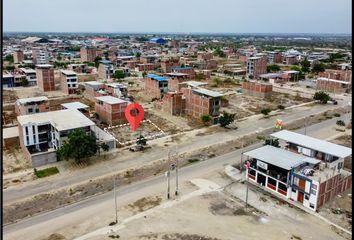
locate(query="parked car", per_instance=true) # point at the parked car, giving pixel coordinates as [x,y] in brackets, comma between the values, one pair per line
[136,148]
[333,101]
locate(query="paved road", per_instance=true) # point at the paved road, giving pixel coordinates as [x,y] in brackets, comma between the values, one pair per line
[48,223]
[122,162]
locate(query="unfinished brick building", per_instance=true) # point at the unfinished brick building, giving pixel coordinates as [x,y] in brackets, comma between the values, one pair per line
[344,75]
[155,85]
[18,56]
[68,82]
[88,54]
[175,80]
[172,103]
[111,110]
[145,67]
[32,105]
[185,70]
[45,77]
[257,89]
[333,85]
[169,63]
[200,101]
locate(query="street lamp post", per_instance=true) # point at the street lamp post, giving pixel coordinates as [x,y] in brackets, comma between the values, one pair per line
[115,198]
[176,192]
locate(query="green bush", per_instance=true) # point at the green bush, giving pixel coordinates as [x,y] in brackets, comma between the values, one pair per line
[340,123]
[265,111]
[336,114]
[281,107]
[46,172]
[321,96]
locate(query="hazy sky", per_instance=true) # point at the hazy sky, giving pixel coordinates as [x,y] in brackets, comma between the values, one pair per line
[234,16]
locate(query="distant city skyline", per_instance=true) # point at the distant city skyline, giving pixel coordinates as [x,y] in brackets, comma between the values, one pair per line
[160,16]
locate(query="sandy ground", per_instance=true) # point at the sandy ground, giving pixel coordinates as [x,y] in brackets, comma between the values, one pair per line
[218,216]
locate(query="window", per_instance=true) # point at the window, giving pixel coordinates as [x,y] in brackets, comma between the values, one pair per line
[33,129]
[74,85]
[293,190]
[307,197]
[340,165]
[30,110]
[27,139]
[313,192]
[312,205]
[37,110]
[26,129]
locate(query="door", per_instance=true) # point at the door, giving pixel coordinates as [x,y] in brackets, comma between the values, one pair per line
[302,184]
[300,197]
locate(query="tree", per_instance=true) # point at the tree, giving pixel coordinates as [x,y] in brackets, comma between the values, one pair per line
[318,67]
[138,54]
[218,52]
[78,146]
[340,123]
[272,142]
[97,61]
[141,140]
[24,82]
[144,74]
[9,58]
[305,66]
[321,96]
[226,119]
[206,119]
[265,111]
[9,67]
[119,74]
[297,68]
[273,68]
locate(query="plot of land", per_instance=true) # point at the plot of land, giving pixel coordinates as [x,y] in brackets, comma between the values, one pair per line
[151,127]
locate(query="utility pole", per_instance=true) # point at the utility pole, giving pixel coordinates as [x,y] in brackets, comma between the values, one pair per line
[176,166]
[115,198]
[168,183]
[241,156]
[247,165]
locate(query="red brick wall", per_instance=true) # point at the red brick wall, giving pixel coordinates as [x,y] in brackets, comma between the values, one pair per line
[332,187]
[45,79]
[331,86]
[112,114]
[257,88]
[196,106]
[151,88]
[345,75]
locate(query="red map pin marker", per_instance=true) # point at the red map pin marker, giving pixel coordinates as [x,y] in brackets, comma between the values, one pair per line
[134,121]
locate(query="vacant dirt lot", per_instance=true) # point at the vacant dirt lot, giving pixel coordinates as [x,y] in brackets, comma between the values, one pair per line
[339,210]
[244,105]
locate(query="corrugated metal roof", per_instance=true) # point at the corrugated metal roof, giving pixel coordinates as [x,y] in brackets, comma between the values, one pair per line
[32,99]
[110,99]
[181,68]
[277,157]
[74,105]
[314,143]
[207,92]
[157,77]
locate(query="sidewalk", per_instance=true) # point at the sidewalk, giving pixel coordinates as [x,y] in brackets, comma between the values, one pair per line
[238,189]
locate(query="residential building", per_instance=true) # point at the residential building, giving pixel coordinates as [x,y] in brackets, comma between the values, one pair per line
[18,56]
[175,79]
[42,134]
[40,56]
[155,85]
[105,69]
[83,108]
[78,67]
[342,75]
[94,89]
[30,74]
[88,54]
[185,70]
[290,59]
[200,101]
[116,90]
[31,105]
[45,77]
[333,85]
[274,57]
[111,110]
[257,89]
[8,80]
[168,63]
[308,171]
[256,66]
[68,82]
[144,67]
[173,103]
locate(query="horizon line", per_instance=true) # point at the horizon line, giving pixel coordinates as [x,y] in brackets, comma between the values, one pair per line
[140,32]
